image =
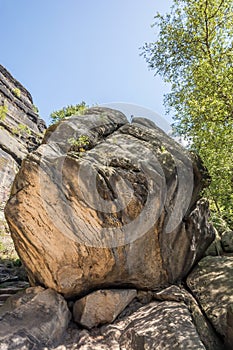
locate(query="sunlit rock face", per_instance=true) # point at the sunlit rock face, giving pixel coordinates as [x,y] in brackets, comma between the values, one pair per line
[104,202]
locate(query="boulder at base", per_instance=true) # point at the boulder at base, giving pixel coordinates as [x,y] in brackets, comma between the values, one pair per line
[102,306]
[33,319]
[105,203]
[211,282]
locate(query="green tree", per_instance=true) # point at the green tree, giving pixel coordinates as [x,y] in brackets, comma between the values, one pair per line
[67,112]
[194,53]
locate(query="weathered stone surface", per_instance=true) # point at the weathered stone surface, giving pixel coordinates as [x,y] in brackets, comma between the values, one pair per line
[33,320]
[168,318]
[102,306]
[21,298]
[229,328]
[122,212]
[168,326]
[20,128]
[20,132]
[212,284]
[227,241]
[178,294]
[215,248]
[158,325]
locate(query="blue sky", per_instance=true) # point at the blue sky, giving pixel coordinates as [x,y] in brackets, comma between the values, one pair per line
[66,51]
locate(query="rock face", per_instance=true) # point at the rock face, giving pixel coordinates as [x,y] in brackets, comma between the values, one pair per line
[33,320]
[212,283]
[20,132]
[102,306]
[103,202]
[176,331]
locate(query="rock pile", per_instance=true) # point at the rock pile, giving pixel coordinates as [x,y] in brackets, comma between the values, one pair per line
[107,217]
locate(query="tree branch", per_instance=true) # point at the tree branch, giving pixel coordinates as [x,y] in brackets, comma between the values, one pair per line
[207,33]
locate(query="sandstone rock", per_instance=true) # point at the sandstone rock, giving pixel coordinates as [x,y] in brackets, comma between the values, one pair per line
[102,306]
[229,329]
[158,322]
[158,325]
[20,298]
[206,332]
[215,248]
[20,132]
[168,326]
[212,283]
[20,128]
[227,241]
[118,211]
[37,319]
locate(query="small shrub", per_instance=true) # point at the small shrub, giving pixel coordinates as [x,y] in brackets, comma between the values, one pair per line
[22,130]
[17,262]
[17,92]
[35,109]
[79,145]
[68,112]
[3,112]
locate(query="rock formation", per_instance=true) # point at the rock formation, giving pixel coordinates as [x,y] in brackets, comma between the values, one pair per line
[20,132]
[89,311]
[35,319]
[106,203]
[211,282]
[108,213]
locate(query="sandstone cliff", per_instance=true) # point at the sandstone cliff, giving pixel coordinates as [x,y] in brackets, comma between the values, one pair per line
[20,128]
[21,131]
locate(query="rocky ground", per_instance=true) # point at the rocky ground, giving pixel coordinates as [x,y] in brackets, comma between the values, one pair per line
[12,274]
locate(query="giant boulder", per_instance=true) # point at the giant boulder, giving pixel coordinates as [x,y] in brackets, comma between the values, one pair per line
[103,202]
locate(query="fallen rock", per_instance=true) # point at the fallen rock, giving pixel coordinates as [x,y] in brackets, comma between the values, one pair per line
[178,294]
[211,282]
[117,210]
[33,320]
[227,241]
[158,325]
[171,319]
[102,306]
[20,298]
[168,326]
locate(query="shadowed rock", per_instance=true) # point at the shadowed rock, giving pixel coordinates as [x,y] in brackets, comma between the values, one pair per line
[211,282]
[39,318]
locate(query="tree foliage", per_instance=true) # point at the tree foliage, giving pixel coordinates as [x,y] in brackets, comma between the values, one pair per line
[68,112]
[194,53]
